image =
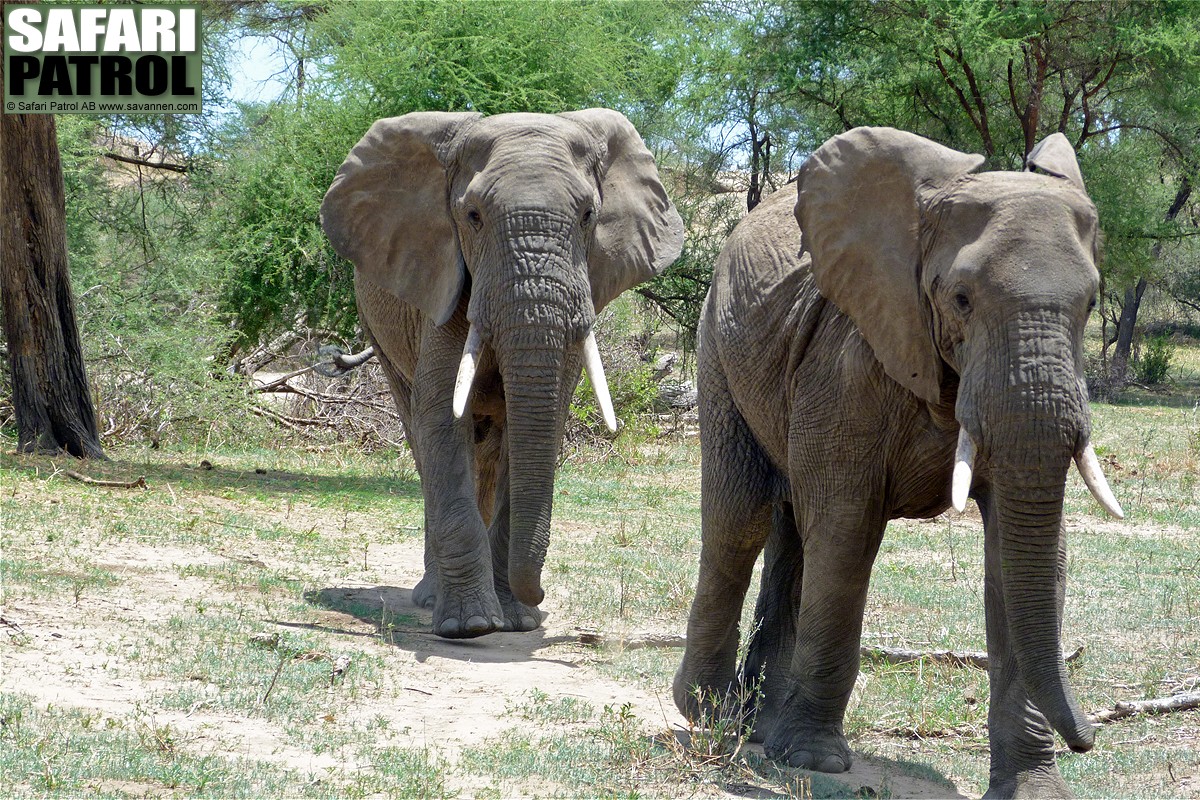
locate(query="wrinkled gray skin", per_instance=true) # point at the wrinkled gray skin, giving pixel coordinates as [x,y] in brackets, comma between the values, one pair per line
[833,383]
[525,226]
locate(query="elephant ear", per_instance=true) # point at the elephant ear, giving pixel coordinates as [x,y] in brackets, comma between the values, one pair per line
[858,206]
[1055,156]
[639,233]
[388,211]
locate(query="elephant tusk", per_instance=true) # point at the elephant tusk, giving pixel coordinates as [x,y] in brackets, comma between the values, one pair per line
[595,373]
[466,370]
[964,457]
[1093,476]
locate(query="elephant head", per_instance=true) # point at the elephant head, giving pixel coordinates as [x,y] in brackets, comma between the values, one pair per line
[540,220]
[973,290]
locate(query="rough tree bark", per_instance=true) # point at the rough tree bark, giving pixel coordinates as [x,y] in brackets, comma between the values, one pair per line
[51,396]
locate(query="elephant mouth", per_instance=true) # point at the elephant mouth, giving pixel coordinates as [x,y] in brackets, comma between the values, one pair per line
[1085,460]
[591,363]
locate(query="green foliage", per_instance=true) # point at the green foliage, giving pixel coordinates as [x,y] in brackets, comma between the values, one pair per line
[633,394]
[503,56]
[144,294]
[1154,364]
[265,229]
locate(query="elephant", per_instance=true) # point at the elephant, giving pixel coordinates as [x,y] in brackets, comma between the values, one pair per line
[483,249]
[915,338]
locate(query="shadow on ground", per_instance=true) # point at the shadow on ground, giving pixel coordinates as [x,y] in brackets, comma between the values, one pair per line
[389,613]
[208,476]
[870,776]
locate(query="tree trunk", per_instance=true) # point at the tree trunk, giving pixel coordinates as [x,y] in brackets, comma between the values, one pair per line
[760,156]
[1119,372]
[51,397]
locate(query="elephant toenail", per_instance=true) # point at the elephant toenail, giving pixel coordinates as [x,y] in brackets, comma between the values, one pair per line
[833,763]
[478,624]
[801,758]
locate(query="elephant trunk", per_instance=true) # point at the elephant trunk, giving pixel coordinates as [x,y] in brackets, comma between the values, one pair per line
[532,394]
[538,318]
[536,311]
[1032,566]
[1027,431]
[533,374]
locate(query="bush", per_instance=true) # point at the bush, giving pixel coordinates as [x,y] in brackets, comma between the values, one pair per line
[1154,363]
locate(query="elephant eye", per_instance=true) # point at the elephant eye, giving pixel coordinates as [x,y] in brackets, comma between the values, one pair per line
[475,218]
[586,219]
[1091,305]
[962,301]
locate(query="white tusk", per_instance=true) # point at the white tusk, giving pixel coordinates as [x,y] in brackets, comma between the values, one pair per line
[595,373]
[1093,476]
[466,370]
[964,457]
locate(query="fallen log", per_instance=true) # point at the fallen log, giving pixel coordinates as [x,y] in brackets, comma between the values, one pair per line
[1159,705]
[635,642]
[957,658]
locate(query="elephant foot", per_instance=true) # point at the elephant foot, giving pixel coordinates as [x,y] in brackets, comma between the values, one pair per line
[460,618]
[1035,783]
[519,617]
[424,594]
[823,749]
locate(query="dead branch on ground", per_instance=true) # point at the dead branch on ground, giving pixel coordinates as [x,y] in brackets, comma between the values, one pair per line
[1159,705]
[634,642]
[957,658]
[140,483]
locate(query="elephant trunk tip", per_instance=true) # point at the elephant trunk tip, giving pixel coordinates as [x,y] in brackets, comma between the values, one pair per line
[527,588]
[1082,738]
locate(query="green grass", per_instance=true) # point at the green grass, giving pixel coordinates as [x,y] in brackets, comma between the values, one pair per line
[58,752]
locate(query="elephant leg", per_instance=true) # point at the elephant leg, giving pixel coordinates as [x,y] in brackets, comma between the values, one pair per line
[839,549]
[738,485]
[517,615]
[767,666]
[465,597]
[489,441]
[424,594]
[1021,740]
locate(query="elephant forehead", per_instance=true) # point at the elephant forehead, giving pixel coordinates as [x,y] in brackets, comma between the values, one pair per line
[1020,195]
[531,138]
[1013,215]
